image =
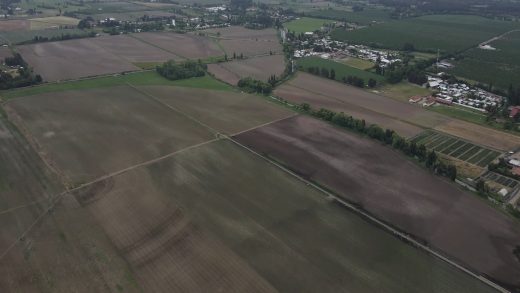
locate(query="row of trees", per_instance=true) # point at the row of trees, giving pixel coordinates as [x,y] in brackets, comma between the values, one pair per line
[388,137]
[350,79]
[183,70]
[251,85]
[62,37]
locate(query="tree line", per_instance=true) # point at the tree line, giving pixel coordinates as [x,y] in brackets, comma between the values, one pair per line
[187,69]
[251,85]
[387,136]
[62,37]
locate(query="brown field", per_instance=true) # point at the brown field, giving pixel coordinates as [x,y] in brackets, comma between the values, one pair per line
[351,106]
[184,45]
[260,68]
[14,25]
[226,112]
[486,136]
[434,210]
[248,42]
[157,229]
[240,32]
[90,133]
[132,50]
[251,48]
[73,59]
[403,117]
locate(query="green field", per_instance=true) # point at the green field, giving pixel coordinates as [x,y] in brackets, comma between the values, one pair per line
[500,67]
[456,148]
[365,17]
[448,33]
[140,78]
[341,69]
[404,90]
[305,24]
[358,63]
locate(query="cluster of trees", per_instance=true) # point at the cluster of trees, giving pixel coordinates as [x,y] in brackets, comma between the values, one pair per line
[323,72]
[62,37]
[513,95]
[251,85]
[355,81]
[386,136]
[183,70]
[272,80]
[396,72]
[23,77]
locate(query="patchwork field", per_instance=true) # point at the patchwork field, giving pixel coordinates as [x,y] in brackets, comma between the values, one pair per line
[184,45]
[448,33]
[90,133]
[457,148]
[365,17]
[409,197]
[113,54]
[260,68]
[240,40]
[21,36]
[408,120]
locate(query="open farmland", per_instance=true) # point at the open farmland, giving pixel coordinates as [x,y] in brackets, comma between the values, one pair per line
[305,24]
[405,195]
[457,148]
[188,46]
[248,42]
[500,67]
[14,25]
[250,234]
[448,33]
[75,129]
[53,22]
[260,68]
[408,120]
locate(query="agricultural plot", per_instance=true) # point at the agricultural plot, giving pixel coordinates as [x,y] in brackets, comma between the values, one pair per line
[250,234]
[500,67]
[457,148]
[133,16]
[14,25]
[53,22]
[365,17]
[449,33]
[90,133]
[405,195]
[502,180]
[18,37]
[249,43]
[72,59]
[226,112]
[306,24]
[260,68]
[188,46]
[408,120]
[341,70]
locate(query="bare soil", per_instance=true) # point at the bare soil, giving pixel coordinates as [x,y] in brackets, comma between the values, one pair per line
[260,68]
[184,45]
[14,25]
[395,190]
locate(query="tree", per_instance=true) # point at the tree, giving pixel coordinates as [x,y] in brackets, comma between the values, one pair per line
[451,172]
[332,74]
[324,72]
[408,47]
[431,159]
[372,83]
[305,107]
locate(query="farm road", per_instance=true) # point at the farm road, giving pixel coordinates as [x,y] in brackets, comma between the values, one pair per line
[498,37]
